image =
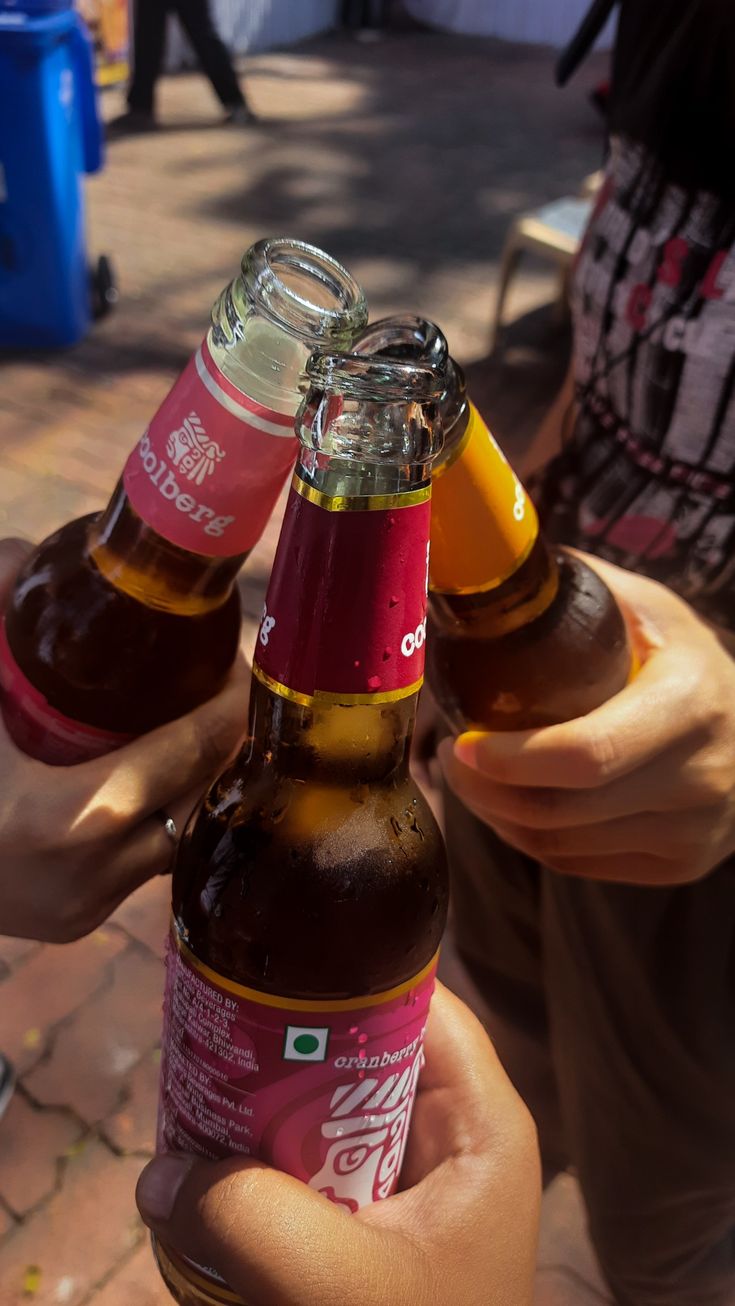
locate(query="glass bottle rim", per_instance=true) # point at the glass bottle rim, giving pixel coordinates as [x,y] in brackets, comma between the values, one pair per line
[405,336]
[374,378]
[421,340]
[334,315]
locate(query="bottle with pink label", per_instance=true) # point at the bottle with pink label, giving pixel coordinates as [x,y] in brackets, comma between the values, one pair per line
[123,620]
[310,890]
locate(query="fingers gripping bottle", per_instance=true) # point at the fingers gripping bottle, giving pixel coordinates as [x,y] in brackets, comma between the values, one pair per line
[124,620]
[521,634]
[310,891]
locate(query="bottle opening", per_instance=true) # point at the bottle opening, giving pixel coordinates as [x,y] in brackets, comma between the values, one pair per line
[420,341]
[374,379]
[305,291]
[405,336]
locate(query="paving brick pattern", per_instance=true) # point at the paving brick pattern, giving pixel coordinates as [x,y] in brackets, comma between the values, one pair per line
[407,159]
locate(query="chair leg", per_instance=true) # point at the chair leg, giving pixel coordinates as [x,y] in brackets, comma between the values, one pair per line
[562,309]
[508,266]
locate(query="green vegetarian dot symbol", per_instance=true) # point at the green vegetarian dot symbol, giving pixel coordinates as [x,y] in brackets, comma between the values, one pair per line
[306,1043]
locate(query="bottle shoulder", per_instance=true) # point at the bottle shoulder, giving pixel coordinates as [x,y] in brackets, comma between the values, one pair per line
[561,664]
[303,888]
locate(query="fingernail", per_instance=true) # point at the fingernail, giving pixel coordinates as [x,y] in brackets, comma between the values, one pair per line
[159,1184]
[466,747]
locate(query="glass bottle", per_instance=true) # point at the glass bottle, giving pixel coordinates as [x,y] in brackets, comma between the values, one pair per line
[123,620]
[521,634]
[310,891]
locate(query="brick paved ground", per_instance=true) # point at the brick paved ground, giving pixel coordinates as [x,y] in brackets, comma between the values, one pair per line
[406,159]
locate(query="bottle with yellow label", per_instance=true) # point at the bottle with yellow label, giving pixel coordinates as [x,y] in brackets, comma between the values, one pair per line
[521,634]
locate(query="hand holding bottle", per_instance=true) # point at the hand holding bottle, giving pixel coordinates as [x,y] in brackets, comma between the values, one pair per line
[641,790]
[462,1230]
[75,841]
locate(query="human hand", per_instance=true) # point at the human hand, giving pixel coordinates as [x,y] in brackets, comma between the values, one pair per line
[76,840]
[463,1229]
[642,790]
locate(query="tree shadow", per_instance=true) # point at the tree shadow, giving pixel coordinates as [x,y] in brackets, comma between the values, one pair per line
[411,176]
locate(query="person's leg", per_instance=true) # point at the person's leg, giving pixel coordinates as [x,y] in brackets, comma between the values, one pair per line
[642,1011]
[211,51]
[496,930]
[149,39]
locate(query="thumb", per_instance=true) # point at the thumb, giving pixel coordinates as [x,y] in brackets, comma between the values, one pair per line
[273,1240]
[13,553]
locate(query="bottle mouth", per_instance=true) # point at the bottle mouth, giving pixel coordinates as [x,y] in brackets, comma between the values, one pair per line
[303,290]
[375,378]
[421,341]
[405,336]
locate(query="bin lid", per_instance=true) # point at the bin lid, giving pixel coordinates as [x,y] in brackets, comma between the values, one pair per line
[37,23]
[20,11]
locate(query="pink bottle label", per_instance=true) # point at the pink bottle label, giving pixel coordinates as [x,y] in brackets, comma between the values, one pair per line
[211,465]
[323,1091]
[38,729]
[345,613]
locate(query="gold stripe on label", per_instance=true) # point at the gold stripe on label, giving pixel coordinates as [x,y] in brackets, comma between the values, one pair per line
[496,581]
[330,699]
[298,1004]
[360,502]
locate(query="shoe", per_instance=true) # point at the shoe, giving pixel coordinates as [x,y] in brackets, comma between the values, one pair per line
[131,123]
[240,116]
[7,1083]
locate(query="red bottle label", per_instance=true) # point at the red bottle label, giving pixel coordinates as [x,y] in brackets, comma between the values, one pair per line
[38,729]
[323,1091]
[345,614]
[211,465]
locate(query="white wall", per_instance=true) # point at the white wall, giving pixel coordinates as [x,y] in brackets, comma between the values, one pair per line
[250,25]
[546,22]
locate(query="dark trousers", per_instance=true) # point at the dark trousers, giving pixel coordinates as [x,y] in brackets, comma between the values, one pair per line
[364,13]
[613,1009]
[150,35]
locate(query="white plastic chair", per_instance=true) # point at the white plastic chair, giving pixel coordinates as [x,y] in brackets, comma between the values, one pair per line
[554,231]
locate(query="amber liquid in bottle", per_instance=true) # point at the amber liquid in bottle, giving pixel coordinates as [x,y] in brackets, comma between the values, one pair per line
[520,635]
[120,628]
[315,869]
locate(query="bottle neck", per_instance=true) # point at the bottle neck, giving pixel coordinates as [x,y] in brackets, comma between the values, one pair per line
[255,354]
[339,656]
[289,299]
[196,492]
[148,567]
[330,745]
[199,488]
[487,551]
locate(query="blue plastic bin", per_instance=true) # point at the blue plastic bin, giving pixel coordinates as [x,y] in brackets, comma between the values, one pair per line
[50,135]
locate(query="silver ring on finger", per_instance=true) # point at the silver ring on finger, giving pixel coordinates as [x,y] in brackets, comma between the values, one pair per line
[169,826]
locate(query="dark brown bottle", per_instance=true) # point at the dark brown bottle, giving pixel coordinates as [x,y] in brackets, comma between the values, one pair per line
[310,892]
[520,634]
[127,619]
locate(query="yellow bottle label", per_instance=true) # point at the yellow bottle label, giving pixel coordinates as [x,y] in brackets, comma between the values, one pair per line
[483,525]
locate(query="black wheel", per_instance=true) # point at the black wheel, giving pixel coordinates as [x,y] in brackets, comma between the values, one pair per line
[103,287]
